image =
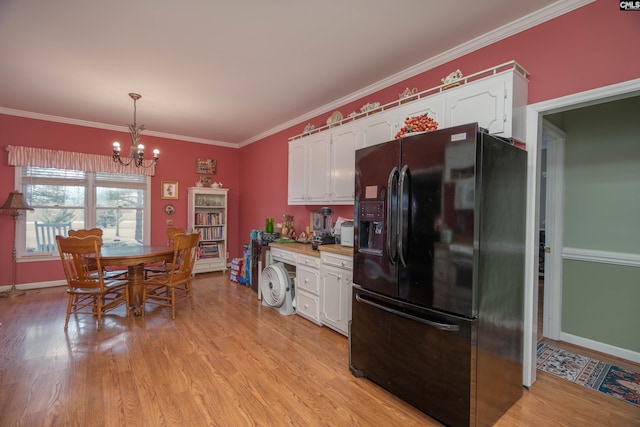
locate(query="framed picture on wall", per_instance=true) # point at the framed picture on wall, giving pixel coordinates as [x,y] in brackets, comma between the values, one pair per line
[169,190]
[205,166]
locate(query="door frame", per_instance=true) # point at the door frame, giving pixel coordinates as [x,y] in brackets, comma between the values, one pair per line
[554,226]
[534,120]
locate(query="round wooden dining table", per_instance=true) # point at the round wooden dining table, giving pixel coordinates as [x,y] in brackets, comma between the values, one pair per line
[135,258]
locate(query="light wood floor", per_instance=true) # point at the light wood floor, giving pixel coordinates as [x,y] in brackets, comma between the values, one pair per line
[228,362]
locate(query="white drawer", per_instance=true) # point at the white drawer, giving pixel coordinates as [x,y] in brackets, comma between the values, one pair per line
[205,265]
[308,306]
[308,279]
[287,257]
[309,261]
[336,260]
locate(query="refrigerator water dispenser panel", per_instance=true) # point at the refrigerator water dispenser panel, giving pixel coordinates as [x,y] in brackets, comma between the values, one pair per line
[370,235]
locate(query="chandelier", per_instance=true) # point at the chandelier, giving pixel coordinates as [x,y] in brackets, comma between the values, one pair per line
[136,155]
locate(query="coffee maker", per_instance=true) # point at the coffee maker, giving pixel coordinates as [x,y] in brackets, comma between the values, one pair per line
[322,229]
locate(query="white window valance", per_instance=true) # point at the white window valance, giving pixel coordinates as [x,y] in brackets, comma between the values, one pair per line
[44,158]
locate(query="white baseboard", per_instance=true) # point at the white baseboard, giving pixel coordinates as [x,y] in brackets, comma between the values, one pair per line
[622,353]
[36,285]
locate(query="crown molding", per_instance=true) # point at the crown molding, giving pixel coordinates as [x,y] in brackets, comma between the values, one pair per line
[545,14]
[552,11]
[106,126]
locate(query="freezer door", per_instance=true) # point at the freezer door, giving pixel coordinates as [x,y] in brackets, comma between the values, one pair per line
[424,357]
[375,225]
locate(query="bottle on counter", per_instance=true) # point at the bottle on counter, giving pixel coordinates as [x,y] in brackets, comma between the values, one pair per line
[268,226]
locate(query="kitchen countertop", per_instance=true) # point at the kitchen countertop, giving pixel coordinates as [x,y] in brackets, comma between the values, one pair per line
[337,249]
[306,249]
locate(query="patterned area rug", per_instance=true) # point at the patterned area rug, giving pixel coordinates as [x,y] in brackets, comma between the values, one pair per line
[609,379]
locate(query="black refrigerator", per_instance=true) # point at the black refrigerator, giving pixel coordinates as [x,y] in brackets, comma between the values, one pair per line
[438,274]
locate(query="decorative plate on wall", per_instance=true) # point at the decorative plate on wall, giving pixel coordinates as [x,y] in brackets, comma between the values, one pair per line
[169,208]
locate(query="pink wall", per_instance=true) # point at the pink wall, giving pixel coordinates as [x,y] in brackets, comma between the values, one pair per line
[177,163]
[585,49]
[264,166]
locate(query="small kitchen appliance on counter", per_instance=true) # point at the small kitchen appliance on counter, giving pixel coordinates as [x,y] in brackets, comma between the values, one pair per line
[322,229]
[346,233]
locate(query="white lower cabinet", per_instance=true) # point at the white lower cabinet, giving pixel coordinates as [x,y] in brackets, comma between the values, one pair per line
[308,287]
[322,287]
[336,278]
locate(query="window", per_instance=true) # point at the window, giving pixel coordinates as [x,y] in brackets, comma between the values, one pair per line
[62,199]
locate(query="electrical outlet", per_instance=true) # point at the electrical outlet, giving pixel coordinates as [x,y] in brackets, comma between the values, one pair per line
[169,222]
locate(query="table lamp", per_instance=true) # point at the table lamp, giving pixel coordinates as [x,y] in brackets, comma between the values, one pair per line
[15,205]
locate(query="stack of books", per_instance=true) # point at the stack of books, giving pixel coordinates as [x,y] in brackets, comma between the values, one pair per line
[209,250]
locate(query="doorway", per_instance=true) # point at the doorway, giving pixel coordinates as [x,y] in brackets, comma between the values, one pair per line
[551,294]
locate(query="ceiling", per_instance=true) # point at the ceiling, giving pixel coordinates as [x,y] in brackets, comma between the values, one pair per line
[230,71]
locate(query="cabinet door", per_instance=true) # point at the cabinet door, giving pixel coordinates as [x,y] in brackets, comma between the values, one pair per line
[335,291]
[330,285]
[297,188]
[433,106]
[378,128]
[481,101]
[343,159]
[318,173]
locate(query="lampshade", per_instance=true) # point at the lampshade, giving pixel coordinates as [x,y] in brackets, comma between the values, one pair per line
[15,202]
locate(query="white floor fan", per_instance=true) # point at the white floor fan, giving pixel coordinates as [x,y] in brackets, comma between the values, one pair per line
[277,289]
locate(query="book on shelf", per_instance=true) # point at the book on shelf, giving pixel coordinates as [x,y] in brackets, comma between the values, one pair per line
[211,232]
[209,218]
[209,250]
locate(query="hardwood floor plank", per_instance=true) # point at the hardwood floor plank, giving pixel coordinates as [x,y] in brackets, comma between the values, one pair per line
[228,362]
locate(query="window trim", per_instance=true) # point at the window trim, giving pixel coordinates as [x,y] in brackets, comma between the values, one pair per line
[20,242]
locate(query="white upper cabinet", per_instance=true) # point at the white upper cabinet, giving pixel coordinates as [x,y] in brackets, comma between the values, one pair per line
[297,171]
[497,103]
[378,128]
[483,103]
[329,167]
[319,172]
[325,160]
[343,158]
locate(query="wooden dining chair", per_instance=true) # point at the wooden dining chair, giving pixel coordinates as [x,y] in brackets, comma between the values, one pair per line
[163,267]
[89,292]
[107,273]
[175,285]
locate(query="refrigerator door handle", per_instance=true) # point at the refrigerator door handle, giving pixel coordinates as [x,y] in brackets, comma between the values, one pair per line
[392,193]
[440,326]
[400,235]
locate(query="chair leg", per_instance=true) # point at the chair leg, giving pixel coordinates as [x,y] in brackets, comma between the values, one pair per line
[190,293]
[69,305]
[173,303]
[98,302]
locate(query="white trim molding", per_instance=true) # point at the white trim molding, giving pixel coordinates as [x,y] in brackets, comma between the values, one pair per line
[36,285]
[622,353]
[602,257]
